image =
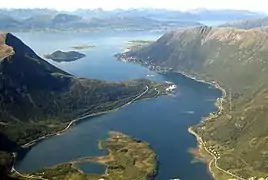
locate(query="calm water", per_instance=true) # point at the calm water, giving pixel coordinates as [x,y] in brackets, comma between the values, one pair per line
[162,122]
[92,167]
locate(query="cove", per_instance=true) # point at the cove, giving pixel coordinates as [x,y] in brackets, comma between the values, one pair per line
[162,122]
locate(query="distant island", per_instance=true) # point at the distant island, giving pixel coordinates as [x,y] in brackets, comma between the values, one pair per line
[83,46]
[60,56]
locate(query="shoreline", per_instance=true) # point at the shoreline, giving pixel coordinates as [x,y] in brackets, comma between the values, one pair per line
[70,124]
[199,139]
[33,142]
[218,104]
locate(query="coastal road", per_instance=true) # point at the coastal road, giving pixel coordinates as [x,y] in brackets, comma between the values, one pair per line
[86,116]
[67,127]
[22,175]
[200,140]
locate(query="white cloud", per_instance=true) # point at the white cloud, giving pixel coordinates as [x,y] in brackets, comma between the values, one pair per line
[256,5]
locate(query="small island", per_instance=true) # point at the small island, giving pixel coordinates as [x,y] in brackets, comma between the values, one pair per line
[83,46]
[128,159]
[60,56]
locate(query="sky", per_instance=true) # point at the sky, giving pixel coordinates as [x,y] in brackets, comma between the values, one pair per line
[254,5]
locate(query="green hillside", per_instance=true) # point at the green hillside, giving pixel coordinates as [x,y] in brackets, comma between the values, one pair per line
[238,61]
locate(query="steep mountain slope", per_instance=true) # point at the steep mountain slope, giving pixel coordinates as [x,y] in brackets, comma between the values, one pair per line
[37,98]
[238,60]
[248,24]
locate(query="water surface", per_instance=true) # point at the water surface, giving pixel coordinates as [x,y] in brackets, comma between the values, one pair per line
[162,122]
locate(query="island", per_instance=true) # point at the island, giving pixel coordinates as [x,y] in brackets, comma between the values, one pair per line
[60,56]
[128,159]
[83,46]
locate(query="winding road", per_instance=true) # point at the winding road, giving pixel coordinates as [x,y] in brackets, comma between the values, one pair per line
[65,129]
[200,140]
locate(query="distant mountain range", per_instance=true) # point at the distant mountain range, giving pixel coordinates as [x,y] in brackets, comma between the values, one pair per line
[70,22]
[248,24]
[237,60]
[132,19]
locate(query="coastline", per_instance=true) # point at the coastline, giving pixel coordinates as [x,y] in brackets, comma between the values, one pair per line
[70,124]
[201,144]
[33,142]
[218,104]
[115,156]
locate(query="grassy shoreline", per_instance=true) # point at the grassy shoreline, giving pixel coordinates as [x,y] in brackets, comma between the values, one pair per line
[128,158]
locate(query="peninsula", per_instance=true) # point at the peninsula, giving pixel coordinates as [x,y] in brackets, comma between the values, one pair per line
[128,159]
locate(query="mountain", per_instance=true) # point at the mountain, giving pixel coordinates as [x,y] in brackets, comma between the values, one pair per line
[38,22]
[164,14]
[224,14]
[22,14]
[65,18]
[248,24]
[37,98]
[7,22]
[118,19]
[68,22]
[33,90]
[237,60]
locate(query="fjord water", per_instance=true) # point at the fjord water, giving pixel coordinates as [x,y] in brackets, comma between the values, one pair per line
[162,122]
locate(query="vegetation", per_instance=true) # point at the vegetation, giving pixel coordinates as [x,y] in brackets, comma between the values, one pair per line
[60,56]
[128,159]
[38,100]
[65,171]
[236,60]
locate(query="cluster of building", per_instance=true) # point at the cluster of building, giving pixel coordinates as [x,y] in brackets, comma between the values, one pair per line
[171,88]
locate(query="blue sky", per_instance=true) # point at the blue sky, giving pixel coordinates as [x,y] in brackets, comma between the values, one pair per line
[255,5]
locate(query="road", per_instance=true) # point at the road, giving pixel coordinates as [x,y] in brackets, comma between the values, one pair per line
[76,120]
[200,140]
[67,127]
[22,175]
